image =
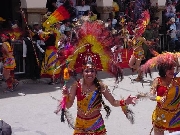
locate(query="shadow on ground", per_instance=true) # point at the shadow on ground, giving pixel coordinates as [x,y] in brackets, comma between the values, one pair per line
[28,86]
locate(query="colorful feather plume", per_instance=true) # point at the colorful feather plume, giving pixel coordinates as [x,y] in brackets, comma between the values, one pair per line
[142,23]
[164,58]
[62,13]
[93,45]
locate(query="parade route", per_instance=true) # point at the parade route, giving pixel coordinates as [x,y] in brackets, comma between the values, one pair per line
[30,109]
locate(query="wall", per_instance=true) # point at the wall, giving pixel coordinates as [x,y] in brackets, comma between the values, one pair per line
[101,3]
[33,3]
[159,2]
[35,9]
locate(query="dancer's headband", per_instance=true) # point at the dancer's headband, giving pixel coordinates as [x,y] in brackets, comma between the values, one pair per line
[89,66]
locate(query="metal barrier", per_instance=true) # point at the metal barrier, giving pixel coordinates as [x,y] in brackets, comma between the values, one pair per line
[18,55]
[164,42]
[161,41]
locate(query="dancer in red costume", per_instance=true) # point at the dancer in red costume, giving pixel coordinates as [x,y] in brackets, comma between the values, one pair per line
[92,54]
[165,91]
[9,63]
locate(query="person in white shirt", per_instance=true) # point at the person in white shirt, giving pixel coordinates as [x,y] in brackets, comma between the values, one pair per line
[173,34]
[80,10]
[31,65]
[59,3]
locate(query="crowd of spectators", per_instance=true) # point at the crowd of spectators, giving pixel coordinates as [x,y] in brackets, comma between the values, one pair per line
[171,26]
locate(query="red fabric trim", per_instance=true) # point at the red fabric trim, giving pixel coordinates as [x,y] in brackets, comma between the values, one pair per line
[99,133]
[88,118]
[170,129]
[10,68]
[51,47]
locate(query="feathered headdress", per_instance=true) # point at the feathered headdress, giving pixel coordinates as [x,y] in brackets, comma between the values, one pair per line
[142,23]
[164,58]
[62,13]
[94,42]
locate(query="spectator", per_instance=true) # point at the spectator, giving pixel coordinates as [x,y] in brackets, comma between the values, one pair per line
[74,3]
[148,35]
[108,24]
[66,23]
[170,10]
[173,37]
[156,29]
[80,10]
[130,11]
[59,3]
[178,15]
[58,26]
[93,7]
[31,65]
[51,5]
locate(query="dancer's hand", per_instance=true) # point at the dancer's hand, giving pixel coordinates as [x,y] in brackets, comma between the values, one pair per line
[65,90]
[131,100]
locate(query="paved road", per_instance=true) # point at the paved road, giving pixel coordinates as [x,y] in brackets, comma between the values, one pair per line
[32,114]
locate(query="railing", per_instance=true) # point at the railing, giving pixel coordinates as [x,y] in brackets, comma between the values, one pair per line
[164,42]
[18,55]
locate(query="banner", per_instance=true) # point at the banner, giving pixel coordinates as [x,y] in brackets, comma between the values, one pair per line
[122,56]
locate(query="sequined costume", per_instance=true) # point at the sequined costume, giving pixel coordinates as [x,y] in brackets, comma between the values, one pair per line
[51,60]
[50,63]
[8,60]
[87,104]
[138,51]
[166,116]
[9,64]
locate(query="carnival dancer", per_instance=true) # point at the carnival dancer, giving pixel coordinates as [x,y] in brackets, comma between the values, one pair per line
[92,54]
[89,91]
[9,63]
[137,41]
[50,62]
[138,52]
[80,10]
[125,34]
[165,91]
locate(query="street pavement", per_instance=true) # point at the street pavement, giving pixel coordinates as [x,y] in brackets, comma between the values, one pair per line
[30,109]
